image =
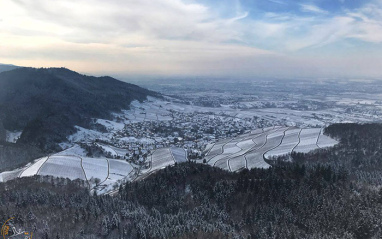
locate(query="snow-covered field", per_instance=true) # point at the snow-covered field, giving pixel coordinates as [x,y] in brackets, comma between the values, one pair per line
[95,168]
[34,168]
[218,147]
[161,158]
[179,154]
[255,159]
[308,140]
[66,165]
[289,141]
[267,143]
[83,134]
[119,169]
[73,150]
[246,144]
[231,148]
[9,175]
[237,163]
[325,141]
[222,163]
[63,167]
[111,125]
[108,149]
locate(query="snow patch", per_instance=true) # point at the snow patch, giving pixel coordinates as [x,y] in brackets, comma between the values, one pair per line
[111,125]
[74,150]
[13,136]
[83,134]
[34,168]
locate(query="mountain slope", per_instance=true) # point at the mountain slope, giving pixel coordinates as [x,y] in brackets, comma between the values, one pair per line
[5,67]
[47,103]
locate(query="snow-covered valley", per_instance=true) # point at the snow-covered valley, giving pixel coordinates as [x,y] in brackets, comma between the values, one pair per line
[158,133]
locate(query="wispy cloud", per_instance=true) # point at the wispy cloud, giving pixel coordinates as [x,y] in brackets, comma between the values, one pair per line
[278,2]
[313,9]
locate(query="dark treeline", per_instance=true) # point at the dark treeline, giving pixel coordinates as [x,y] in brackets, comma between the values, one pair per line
[17,155]
[304,199]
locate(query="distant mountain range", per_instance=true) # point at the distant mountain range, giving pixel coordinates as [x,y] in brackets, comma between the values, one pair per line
[47,103]
[6,67]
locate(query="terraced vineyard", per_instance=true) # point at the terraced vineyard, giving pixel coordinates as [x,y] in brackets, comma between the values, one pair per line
[107,171]
[244,151]
[250,150]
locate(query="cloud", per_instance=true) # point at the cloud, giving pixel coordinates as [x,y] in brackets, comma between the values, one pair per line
[286,32]
[278,2]
[181,37]
[103,21]
[368,23]
[312,9]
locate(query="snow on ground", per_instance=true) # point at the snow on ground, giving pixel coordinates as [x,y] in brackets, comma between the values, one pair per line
[83,135]
[255,159]
[12,136]
[63,166]
[208,147]
[164,117]
[246,144]
[325,141]
[223,164]
[121,152]
[74,150]
[119,169]
[289,141]
[133,139]
[108,149]
[111,125]
[230,148]
[308,140]
[161,158]
[217,158]
[179,154]
[9,175]
[95,168]
[66,145]
[274,141]
[151,117]
[34,168]
[237,163]
[218,147]
[261,139]
[119,172]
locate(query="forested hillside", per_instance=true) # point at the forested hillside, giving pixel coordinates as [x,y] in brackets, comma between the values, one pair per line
[5,67]
[46,103]
[322,195]
[359,152]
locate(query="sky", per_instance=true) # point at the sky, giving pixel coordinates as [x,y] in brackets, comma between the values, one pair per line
[236,38]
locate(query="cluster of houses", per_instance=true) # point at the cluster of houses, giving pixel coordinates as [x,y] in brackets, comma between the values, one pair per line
[191,131]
